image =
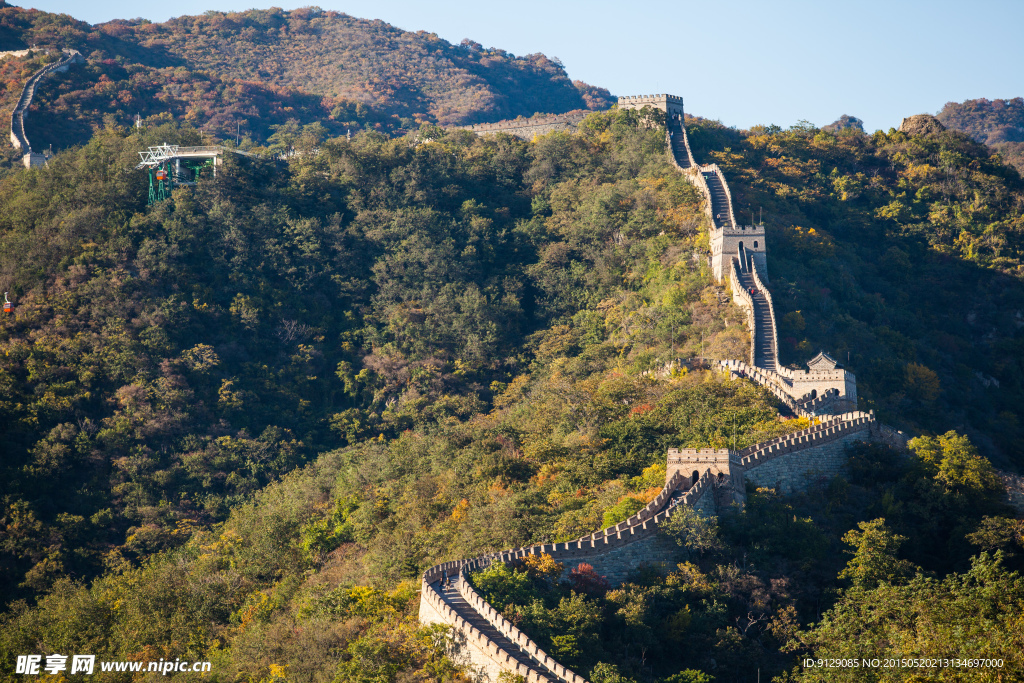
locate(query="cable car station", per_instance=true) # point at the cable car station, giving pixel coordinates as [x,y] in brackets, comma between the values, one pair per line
[171,165]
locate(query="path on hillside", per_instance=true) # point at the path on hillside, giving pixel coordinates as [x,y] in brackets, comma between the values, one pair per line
[677,134]
[720,209]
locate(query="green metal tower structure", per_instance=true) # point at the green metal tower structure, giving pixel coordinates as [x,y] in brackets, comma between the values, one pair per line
[160,190]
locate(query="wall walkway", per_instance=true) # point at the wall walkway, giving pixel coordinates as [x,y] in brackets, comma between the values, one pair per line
[702,479]
[18,137]
[490,644]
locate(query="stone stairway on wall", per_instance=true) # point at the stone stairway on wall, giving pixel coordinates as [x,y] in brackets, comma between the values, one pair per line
[677,140]
[763,334]
[721,209]
[458,603]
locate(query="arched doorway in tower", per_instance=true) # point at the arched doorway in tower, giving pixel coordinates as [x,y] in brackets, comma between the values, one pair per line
[694,478]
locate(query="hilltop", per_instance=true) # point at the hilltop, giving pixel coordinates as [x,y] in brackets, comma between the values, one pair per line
[251,72]
[997,123]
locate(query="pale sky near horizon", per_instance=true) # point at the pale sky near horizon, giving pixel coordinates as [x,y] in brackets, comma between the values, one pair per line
[740,61]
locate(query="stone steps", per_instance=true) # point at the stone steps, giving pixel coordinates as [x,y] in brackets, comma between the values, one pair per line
[763,335]
[454,599]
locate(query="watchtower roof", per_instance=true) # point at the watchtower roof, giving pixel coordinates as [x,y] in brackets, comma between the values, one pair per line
[822,363]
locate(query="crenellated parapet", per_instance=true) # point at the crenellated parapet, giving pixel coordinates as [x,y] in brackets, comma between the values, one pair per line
[670,104]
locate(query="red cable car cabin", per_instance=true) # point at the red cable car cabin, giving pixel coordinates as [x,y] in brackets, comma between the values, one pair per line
[8,306]
[161,175]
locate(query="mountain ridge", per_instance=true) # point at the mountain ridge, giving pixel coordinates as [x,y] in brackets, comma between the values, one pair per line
[240,74]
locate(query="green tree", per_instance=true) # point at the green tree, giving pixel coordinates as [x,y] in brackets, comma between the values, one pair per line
[875,560]
[956,464]
[693,531]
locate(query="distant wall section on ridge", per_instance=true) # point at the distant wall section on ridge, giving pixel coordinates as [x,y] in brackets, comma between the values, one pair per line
[528,128]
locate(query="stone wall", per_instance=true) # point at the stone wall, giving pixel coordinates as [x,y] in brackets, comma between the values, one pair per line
[760,283]
[528,128]
[18,137]
[766,378]
[798,469]
[790,463]
[804,382]
[471,646]
[741,297]
[836,389]
[17,53]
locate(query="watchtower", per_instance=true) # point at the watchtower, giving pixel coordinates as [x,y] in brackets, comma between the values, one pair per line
[670,104]
[742,242]
[724,465]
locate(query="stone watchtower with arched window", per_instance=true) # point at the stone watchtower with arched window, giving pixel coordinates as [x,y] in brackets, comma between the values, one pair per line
[744,243]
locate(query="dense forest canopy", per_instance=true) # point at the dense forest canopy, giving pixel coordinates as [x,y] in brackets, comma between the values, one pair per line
[240,422]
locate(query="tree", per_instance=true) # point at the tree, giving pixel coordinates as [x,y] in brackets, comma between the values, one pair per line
[693,531]
[874,556]
[977,612]
[955,463]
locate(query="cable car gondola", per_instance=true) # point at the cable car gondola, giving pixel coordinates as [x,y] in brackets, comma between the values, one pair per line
[8,306]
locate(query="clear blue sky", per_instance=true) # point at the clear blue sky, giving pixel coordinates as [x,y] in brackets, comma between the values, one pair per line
[741,61]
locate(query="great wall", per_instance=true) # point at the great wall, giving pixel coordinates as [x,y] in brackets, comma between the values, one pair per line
[528,128]
[18,137]
[707,480]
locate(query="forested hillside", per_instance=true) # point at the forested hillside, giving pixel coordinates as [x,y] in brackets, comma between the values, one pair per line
[242,74]
[240,423]
[901,255]
[164,364]
[997,123]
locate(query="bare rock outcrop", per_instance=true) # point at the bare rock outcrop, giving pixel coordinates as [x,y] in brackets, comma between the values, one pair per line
[921,124]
